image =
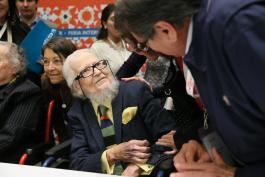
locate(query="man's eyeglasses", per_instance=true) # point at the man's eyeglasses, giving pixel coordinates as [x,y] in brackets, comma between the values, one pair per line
[89,70]
[136,45]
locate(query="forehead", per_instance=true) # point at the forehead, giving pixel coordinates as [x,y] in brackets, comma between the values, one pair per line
[49,52]
[83,60]
[4,2]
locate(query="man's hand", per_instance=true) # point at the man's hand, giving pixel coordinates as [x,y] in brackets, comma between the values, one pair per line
[217,168]
[132,171]
[134,151]
[168,140]
[192,152]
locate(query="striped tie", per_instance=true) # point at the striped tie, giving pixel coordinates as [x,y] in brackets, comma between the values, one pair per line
[108,132]
[106,125]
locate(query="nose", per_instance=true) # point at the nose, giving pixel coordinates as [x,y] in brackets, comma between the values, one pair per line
[96,71]
[25,3]
[51,66]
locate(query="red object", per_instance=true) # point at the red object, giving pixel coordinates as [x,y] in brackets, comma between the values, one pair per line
[23,159]
[48,122]
[198,100]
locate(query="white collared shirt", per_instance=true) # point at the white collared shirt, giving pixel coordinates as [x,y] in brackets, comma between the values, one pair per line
[190,83]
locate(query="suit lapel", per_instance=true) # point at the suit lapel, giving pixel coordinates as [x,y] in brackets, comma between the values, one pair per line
[117,116]
[93,123]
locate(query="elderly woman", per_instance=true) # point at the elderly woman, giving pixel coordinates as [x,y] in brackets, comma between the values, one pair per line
[54,53]
[19,105]
[12,30]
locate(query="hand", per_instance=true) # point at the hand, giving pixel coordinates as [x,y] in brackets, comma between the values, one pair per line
[133,151]
[138,79]
[132,171]
[168,140]
[217,168]
[192,152]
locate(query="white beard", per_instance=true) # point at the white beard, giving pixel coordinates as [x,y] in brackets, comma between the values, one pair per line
[108,93]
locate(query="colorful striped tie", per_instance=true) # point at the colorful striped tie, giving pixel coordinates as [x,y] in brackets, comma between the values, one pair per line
[107,127]
[108,132]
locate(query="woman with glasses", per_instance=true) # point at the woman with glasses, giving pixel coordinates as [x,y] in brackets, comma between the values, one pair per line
[109,44]
[54,54]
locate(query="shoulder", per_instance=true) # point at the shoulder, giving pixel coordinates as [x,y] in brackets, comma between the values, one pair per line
[134,87]
[248,15]
[25,85]
[220,12]
[23,90]
[49,23]
[77,107]
[19,32]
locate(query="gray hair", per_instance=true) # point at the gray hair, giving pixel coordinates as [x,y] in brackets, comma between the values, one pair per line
[139,16]
[16,57]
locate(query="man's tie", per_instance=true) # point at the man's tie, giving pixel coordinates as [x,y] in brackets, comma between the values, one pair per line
[107,127]
[108,132]
[195,90]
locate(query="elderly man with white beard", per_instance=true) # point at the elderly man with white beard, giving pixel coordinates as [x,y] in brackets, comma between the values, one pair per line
[114,123]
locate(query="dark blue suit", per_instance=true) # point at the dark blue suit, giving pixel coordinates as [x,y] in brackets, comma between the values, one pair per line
[227,60]
[150,122]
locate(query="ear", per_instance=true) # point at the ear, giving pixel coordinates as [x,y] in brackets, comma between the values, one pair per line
[166,31]
[15,70]
[76,86]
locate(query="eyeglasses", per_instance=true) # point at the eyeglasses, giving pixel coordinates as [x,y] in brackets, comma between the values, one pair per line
[56,61]
[142,46]
[138,46]
[27,1]
[89,70]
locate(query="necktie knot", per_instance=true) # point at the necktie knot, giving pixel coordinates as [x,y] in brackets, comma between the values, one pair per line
[102,110]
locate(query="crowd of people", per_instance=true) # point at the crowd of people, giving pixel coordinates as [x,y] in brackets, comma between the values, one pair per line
[197,112]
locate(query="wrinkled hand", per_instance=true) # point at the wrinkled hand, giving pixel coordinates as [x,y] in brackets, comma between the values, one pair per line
[191,152]
[217,168]
[132,171]
[168,140]
[133,151]
[138,79]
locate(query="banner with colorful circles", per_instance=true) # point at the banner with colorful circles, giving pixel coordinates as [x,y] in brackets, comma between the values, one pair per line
[78,20]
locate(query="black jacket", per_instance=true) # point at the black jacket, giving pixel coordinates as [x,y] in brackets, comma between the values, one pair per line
[20,115]
[188,115]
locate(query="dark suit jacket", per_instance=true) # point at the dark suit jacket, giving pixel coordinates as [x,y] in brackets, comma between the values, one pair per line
[227,60]
[150,122]
[187,113]
[19,116]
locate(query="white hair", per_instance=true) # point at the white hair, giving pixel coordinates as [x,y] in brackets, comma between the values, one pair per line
[107,93]
[70,75]
[68,72]
[15,56]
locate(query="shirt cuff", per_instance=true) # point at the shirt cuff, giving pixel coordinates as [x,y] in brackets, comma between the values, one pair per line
[105,167]
[146,168]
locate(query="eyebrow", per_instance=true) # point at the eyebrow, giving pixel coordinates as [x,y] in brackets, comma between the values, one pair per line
[52,57]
